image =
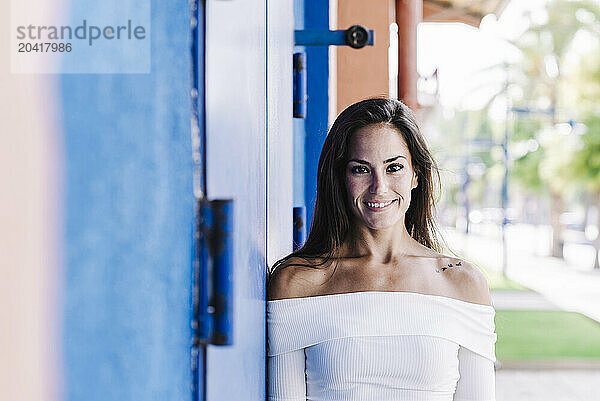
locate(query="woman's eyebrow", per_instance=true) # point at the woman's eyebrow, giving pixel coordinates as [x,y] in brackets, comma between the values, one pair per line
[368,164]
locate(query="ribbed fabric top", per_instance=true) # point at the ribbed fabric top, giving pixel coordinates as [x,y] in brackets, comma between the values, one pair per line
[296,323]
[384,346]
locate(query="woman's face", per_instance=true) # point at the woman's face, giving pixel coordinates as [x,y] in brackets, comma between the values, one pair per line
[379,176]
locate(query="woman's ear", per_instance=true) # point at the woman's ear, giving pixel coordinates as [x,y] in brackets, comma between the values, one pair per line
[415,181]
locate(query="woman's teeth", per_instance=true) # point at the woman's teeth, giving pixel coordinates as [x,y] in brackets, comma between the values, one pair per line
[379,205]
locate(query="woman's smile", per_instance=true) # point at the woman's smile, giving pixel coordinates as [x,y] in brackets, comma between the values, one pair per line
[379,206]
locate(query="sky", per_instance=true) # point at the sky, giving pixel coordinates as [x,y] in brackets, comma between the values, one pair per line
[470,60]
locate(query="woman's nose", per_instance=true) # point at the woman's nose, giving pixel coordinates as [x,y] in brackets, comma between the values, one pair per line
[379,183]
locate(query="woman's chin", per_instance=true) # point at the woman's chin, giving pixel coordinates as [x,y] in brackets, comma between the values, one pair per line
[379,224]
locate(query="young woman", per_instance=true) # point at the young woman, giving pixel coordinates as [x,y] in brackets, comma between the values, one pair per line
[368,308]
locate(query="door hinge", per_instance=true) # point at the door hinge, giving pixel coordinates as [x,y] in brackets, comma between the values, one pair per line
[357,36]
[213,278]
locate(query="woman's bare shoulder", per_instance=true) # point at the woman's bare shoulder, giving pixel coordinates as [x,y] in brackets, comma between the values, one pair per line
[295,278]
[468,280]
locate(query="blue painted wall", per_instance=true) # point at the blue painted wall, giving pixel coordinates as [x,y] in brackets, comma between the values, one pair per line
[299,124]
[129,209]
[316,16]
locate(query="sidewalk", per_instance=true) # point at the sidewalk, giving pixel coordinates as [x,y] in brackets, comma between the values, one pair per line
[569,287]
[547,385]
[515,300]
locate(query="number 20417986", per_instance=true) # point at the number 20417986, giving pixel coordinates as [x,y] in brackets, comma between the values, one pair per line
[44,47]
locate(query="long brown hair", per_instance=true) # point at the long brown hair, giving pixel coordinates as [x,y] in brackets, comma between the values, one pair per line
[331,217]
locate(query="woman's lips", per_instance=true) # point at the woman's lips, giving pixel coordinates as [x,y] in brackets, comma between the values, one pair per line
[379,209]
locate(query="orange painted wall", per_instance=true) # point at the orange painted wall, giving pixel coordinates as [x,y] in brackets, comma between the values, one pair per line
[364,72]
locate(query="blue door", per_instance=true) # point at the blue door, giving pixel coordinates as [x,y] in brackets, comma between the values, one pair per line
[128,210]
[236,169]
[130,160]
[249,160]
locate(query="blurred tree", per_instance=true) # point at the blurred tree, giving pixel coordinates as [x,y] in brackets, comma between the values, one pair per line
[464,161]
[527,155]
[583,89]
[585,168]
[544,48]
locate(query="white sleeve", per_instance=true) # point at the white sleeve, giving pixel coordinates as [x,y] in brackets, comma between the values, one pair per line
[287,377]
[477,377]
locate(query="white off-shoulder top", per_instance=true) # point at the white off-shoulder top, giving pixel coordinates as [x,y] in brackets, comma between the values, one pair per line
[383,346]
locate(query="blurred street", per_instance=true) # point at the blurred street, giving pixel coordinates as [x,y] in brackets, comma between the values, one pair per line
[569,284]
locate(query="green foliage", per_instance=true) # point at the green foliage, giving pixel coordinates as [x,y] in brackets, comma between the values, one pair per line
[559,163]
[525,172]
[556,167]
[525,128]
[585,166]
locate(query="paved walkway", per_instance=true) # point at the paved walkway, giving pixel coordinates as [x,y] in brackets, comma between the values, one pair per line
[570,286]
[529,300]
[547,385]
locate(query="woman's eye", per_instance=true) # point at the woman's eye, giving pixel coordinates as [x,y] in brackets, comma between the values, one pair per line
[395,167]
[358,170]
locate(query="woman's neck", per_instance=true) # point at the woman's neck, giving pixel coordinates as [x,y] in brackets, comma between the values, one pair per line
[379,246]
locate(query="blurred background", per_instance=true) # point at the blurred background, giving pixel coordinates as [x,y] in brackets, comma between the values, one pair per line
[112,183]
[510,107]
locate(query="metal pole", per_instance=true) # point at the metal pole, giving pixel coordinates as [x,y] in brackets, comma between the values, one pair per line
[504,199]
